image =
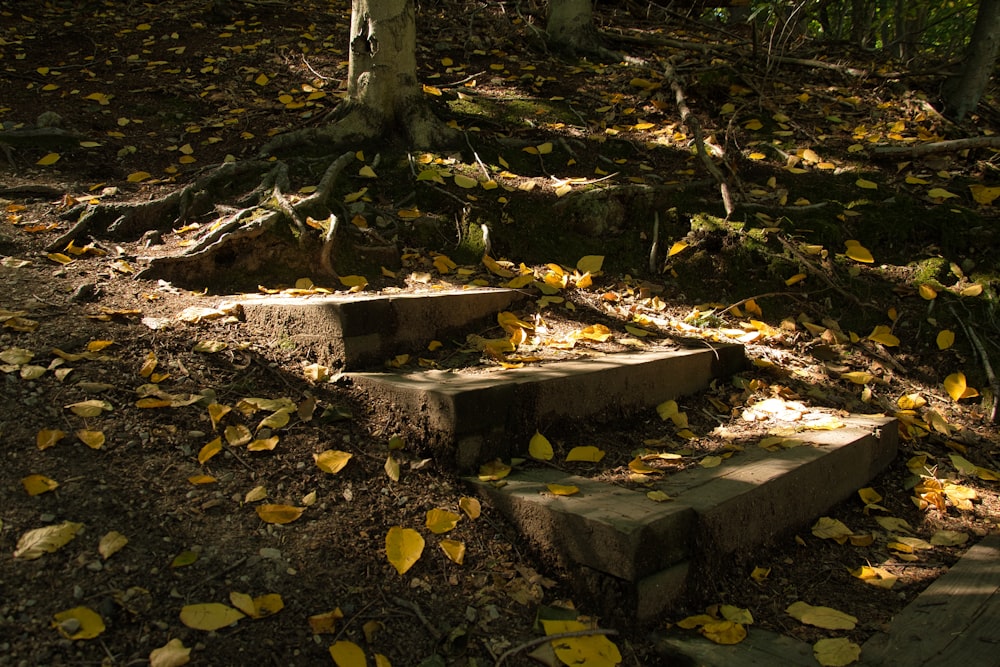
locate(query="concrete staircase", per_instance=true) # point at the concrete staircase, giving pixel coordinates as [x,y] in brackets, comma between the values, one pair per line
[629,557]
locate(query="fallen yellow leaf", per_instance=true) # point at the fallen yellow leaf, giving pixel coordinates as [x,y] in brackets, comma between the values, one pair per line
[883,334]
[587,453]
[837,652]
[34,543]
[403,547]
[876,576]
[209,616]
[471,506]
[945,339]
[78,623]
[831,529]
[955,385]
[325,623]
[725,633]
[36,485]
[540,448]
[347,654]
[171,654]
[927,292]
[858,252]
[493,471]
[93,439]
[280,514]
[821,617]
[48,438]
[454,550]
[441,521]
[111,543]
[332,460]
[590,650]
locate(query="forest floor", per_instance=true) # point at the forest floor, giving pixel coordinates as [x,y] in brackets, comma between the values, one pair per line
[107,378]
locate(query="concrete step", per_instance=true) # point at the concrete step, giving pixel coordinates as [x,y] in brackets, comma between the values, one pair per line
[477,415]
[358,331]
[952,622]
[631,555]
[761,648]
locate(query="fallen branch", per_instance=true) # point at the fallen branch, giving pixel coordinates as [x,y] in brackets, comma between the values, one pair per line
[647,40]
[820,273]
[987,366]
[691,121]
[415,608]
[127,220]
[767,295]
[841,69]
[41,137]
[937,147]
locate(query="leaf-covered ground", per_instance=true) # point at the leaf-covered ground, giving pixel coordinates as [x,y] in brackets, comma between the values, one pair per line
[859,282]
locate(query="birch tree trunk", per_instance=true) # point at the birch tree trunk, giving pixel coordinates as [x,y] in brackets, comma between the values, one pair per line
[570,25]
[571,30]
[383,93]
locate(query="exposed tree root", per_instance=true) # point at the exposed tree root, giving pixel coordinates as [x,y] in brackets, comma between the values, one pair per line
[250,198]
[353,124]
[129,221]
[251,222]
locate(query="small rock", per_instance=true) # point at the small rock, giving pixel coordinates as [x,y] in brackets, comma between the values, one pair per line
[84,292]
[270,553]
[151,238]
[70,626]
[49,119]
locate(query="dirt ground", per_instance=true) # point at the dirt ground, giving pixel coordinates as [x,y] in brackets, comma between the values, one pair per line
[92,352]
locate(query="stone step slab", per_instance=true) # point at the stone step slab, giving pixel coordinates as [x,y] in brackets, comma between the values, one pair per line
[952,622]
[623,541]
[478,415]
[358,331]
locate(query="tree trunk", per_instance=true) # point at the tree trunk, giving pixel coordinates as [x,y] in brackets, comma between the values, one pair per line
[382,74]
[962,92]
[862,17]
[571,26]
[383,94]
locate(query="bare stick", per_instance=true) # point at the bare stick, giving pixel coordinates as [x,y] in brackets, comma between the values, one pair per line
[691,121]
[937,147]
[412,606]
[654,248]
[987,366]
[815,270]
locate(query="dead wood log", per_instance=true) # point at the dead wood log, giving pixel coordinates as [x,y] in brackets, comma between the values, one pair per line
[936,147]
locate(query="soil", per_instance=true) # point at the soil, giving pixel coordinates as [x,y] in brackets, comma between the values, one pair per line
[173,89]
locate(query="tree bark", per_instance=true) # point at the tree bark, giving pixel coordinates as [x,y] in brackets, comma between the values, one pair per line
[962,92]
[570,28]
[382,74]
[383,93]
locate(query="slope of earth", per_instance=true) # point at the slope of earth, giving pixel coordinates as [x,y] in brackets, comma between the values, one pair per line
[107,387]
